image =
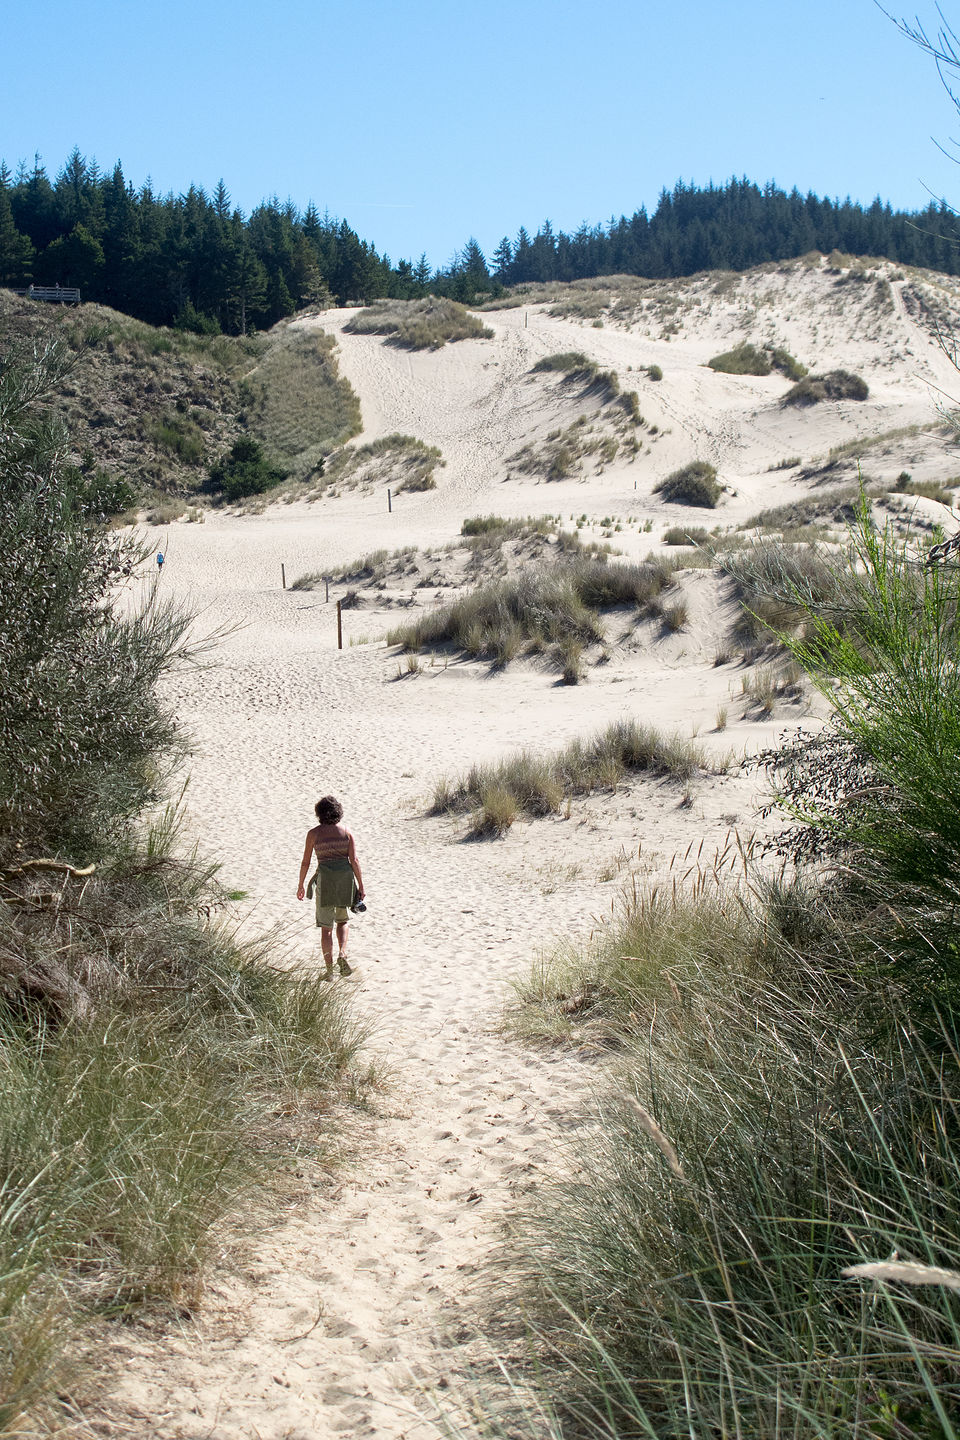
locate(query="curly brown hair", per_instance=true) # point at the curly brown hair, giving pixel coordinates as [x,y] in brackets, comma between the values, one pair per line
[328,810]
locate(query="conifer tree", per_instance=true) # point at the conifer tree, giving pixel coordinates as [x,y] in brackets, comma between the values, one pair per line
[16,251]
[502,260]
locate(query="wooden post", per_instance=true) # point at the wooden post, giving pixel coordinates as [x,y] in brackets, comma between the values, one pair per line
[339,625]
[326,582]
[283,574]
[389,503]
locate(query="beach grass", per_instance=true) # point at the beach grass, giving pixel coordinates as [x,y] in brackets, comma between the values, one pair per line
[538,607]
[758,1229]
[425,324]
[145,1050]
[539,784]
[693,484]
[298,403]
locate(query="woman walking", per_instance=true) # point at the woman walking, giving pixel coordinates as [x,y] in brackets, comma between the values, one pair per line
[338,880]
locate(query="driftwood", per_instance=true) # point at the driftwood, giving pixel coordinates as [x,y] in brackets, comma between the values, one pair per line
[947,548]
[32,978]
[62,866]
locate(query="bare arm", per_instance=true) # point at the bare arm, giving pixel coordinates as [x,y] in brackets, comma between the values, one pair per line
[305,863]
[355,863]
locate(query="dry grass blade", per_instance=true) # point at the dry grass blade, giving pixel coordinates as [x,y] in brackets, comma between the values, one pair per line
[663,1142]
[905,1272]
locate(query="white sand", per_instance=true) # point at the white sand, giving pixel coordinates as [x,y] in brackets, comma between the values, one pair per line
[386,1255]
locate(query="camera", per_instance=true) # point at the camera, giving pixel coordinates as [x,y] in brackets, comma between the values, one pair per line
[359,907]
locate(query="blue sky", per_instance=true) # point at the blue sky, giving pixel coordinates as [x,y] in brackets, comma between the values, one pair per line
[425,123]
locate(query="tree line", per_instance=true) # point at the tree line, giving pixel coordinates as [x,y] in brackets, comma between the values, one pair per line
[196,261]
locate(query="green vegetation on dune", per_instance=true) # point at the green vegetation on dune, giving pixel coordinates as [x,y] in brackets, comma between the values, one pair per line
[296,401]
[693,484]
[401,461]
[747,359]
[419,324]
[147,1052]
[536,785]
[150,406]
[758,1232]
[835,385]
[546,606]
[577,369]
[153,412]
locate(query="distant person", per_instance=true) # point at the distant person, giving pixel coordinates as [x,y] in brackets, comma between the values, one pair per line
[159,561]
[338,881]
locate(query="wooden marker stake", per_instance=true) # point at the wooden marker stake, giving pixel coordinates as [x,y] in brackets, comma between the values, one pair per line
[339,625]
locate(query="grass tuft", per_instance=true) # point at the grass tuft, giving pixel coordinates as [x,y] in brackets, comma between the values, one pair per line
[686,535]
[419,324]
[400,461]
[535,609]
[693,484]
[540,784]
[835,385]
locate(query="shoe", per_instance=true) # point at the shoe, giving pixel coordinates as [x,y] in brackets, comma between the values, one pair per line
[328,973]
[343,966]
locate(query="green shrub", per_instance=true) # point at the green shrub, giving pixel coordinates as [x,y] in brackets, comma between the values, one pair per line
[579,369]
[654,372]
[106,494]
[745,359]
[889,637]
[244,471]
[783,361]
[190,318]
[82,730]
[929,489]
[538,608]
[146,1052]
[180,436]
[694,484]
[485,525]
[488,531]
[835,385]
[567,361]
[630,402]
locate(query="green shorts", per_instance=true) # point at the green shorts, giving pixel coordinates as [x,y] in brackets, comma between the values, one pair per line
[330,915]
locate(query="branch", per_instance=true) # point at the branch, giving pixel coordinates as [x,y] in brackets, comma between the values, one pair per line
[62,866]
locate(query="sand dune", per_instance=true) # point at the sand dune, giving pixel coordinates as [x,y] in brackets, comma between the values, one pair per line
[376,1268]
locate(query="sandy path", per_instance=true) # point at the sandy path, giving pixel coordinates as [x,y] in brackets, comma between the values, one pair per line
[390,1251]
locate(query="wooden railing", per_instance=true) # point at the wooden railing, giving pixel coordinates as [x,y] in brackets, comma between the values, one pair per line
[56,294]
